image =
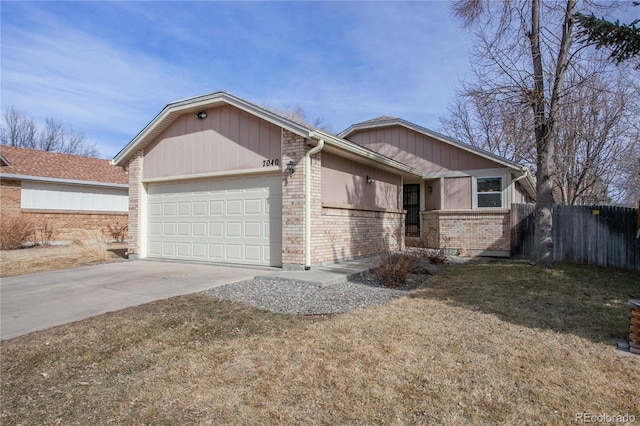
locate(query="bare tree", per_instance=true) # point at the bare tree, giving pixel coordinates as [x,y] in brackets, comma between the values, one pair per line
[522,59]
[18,129]
[297,114]
[596,126]
[492,125]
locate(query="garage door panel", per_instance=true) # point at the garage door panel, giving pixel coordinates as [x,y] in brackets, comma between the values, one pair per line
[216,252]
[199,229]
[199,208]
[155,249]
[183,249]
[216,229]
[155,209]
[234,207]
[252,254]
[233,252]
[252,229]
[247,226]
[169,229]
[253,206]
[184,229]
[169,209]
[234,229]
[200,250]
[168,249]
[155,229]
[216,208]
[184,209]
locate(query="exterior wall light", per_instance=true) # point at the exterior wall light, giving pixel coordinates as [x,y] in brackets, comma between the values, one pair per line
[201,115]
[369,179]
[291,167]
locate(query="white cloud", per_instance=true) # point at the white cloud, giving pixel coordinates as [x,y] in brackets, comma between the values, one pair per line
[109,68]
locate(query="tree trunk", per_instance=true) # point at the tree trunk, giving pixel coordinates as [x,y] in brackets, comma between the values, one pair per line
[545,129]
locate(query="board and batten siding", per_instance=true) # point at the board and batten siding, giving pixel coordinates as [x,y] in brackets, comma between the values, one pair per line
[457,193]
[344,182]
[54,196]
[420,151]
[227,139]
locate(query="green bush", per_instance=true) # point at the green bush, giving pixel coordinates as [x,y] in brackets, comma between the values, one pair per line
[15,230]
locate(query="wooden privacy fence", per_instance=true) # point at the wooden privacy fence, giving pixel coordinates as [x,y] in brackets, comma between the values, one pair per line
[594,235]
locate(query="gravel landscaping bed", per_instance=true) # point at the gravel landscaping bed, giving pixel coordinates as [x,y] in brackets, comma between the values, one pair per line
[302,298]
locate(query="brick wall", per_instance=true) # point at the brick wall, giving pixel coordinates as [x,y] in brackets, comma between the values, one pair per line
[136,190]
[9,197]
[293,149]
[68,223]
[476,231]
[346,233]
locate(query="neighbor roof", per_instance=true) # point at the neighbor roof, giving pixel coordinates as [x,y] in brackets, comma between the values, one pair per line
[32,164]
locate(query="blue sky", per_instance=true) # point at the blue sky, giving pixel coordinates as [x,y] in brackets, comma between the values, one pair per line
[108,68]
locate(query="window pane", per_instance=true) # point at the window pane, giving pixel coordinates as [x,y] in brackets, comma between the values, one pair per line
[490,199]
[489,184]
[489,192]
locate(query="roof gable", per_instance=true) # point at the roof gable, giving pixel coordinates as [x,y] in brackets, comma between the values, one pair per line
[25,163]
[386,121]
[195,105]
[383,122]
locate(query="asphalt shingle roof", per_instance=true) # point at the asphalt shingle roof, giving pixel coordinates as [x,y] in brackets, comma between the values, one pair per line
[31,162]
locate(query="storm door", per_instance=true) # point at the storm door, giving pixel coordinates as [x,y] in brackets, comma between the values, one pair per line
[411,203]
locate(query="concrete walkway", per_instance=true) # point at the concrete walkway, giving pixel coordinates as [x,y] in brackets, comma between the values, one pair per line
[329,274]
[38,301]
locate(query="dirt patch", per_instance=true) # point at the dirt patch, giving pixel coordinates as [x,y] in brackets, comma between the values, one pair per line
[41,259]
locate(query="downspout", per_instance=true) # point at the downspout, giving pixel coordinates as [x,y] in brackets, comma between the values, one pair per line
[307,202]
[513,184]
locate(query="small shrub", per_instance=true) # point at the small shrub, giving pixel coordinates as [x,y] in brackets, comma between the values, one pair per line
[15,231]
[45,233]
[118,230]
[394,269]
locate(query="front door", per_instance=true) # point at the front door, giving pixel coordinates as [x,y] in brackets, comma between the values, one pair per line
[411,203]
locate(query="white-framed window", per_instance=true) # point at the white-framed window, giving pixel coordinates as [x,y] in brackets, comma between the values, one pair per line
[489,192]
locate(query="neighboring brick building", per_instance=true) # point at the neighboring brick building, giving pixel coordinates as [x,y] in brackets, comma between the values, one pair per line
[68,192]
[215,178]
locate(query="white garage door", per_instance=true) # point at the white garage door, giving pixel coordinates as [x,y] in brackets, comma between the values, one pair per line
[235,220]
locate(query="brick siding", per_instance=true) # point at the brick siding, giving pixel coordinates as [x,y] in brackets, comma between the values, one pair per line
[337,233]
[135,198]
[348,233]
[293,200]
[65,223]
[471,230]
[9,197]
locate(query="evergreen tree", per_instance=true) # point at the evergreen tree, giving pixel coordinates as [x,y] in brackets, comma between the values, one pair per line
[622,39]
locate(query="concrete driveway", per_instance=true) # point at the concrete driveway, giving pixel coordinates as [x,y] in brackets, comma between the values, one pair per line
[39,301]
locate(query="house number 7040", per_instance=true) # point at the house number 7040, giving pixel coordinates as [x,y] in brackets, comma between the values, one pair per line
[272,162]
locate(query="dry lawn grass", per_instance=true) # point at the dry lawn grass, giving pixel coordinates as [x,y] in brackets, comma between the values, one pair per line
[449,355]
[41,259]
